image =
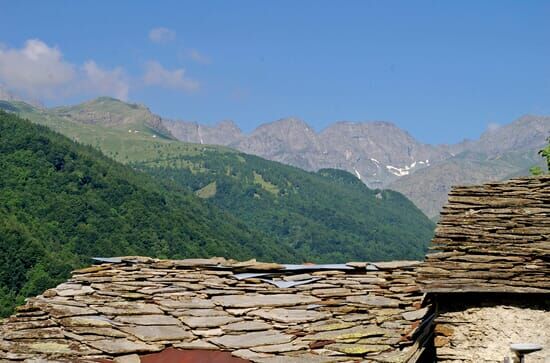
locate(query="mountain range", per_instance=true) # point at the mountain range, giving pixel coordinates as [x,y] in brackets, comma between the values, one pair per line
[378,153]
[384,156]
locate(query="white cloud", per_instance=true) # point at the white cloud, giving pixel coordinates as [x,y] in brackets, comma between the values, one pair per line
[161,35]
[36,69]
[39,71]
[199,57]
[106,82]
[157,75]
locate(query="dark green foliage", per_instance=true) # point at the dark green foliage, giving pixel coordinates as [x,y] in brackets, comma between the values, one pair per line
[329,216]
[61,203]
[545,153]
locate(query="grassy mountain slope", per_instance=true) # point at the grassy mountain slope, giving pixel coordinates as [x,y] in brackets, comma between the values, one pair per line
[61,203]
[322,217]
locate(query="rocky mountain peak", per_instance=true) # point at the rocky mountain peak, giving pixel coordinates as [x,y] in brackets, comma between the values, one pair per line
[522,134]
[284,126]
[229,125]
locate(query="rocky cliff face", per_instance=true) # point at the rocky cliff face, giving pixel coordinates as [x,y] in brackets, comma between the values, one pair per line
[224,133]
[376,152]
[384,156]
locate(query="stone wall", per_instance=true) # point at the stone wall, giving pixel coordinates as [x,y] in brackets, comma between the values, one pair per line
[492,238]
[480,329]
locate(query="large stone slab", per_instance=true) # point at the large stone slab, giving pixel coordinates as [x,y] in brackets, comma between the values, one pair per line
[148,319]
[81,290]
[196,344]
[62,311]
[154,333]
[121,346]
[290,316]
[358,349]
[259,300]
[415,314]
[91,321]
[373,300]
[126,308]
[208,321]
[348,334]
[280,348]
[247,326]
[105,332]
[199,312]
[250,340]
[52,347]
[189,303]
[396,264]
[37,334]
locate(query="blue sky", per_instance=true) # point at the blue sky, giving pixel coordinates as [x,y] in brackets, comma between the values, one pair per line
[441,70]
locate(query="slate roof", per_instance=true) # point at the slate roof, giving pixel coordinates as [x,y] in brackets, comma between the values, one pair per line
[263,312]
[492,238]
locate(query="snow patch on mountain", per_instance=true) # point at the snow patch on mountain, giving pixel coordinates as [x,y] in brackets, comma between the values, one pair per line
[357,173]
[406,169]
[397,171]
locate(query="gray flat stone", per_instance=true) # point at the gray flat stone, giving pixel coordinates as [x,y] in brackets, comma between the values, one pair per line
[199,312]
[208,333]
[190,303]
[105,332]
[91,321]
[415,314]
[62,311]
[128,308]
[36,334]
[151,333]
[373,300]
[290,315]
[121,346]
[280,348]
[249,340]
[208,321]
[250,301]
[148,319]
[247,326]
[196,344]
[248,354]
[55,346]
[348,334]
[388,265]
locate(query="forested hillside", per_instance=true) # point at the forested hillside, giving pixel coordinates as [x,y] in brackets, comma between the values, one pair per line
[322,215]
[329,216]
[61,203]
